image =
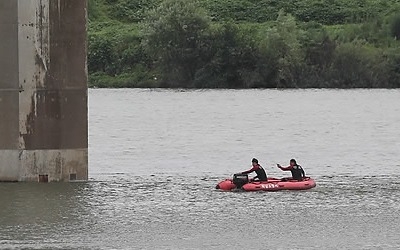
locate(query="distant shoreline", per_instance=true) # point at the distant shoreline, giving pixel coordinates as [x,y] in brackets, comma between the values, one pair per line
[240,44]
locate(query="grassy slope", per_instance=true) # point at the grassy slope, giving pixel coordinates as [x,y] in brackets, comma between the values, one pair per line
[117,19]
[104,19]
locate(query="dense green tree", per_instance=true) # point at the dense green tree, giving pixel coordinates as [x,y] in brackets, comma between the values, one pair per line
[100,56]
[174,35]
[231,59]
[394,69]
[282,51]
[93,10]
[356,65]
[395,27]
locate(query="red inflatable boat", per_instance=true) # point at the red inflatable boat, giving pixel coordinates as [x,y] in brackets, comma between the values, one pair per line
[241,182]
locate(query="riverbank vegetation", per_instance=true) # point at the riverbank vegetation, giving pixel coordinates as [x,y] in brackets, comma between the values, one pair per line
[244,43]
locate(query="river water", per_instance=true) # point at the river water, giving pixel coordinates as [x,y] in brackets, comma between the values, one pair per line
[155,157]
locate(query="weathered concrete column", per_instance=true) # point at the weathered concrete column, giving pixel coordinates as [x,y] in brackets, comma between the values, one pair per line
[43,90]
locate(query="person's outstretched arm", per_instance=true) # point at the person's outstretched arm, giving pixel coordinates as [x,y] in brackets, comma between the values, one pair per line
[284,168]
[249,171]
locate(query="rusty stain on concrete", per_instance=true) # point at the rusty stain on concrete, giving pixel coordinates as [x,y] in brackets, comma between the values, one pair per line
[47,88]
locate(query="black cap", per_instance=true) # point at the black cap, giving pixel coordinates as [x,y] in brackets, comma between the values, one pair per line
[254,160]
[293,160]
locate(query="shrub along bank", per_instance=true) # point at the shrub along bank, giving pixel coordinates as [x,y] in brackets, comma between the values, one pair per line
[244,44]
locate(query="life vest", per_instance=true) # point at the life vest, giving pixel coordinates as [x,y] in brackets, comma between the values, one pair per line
[262,176]
[297,172]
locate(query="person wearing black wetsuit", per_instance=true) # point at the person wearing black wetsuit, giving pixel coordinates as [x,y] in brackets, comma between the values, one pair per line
[261,175]
[297,171]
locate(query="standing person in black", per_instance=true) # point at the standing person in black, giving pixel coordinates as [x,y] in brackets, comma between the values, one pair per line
[297,171]
[261,175]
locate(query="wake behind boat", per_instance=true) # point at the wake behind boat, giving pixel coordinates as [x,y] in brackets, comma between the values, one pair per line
[242,182]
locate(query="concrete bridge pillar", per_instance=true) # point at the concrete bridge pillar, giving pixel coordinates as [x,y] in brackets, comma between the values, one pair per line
[43,90]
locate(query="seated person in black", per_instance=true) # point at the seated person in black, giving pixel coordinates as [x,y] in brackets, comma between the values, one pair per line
[261,175]
[297,171]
